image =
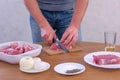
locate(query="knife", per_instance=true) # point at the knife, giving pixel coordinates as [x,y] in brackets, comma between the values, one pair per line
[61,45]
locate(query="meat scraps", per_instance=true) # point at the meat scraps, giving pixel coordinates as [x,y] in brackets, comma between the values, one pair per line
[17,48]
[106,59]
[55,46]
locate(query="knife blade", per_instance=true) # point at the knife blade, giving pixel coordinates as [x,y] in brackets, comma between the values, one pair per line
[61,45]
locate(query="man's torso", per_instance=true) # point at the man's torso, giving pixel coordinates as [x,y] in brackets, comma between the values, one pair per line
[56,5]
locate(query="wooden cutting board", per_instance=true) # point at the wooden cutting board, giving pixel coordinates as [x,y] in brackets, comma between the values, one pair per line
[51,52]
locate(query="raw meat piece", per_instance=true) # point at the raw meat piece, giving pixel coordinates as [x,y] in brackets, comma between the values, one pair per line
[54,46]
[106,59]
[27,47]
[20,49]
[14,45]
[4,50]
[13,52]
[16,48]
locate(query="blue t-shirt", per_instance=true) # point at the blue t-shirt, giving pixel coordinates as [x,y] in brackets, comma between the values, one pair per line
[56,5]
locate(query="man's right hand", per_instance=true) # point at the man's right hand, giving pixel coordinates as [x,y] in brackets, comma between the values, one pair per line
[48,34]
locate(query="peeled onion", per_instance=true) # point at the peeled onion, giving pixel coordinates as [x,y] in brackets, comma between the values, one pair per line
[26,63]
[40,66]
[37,60]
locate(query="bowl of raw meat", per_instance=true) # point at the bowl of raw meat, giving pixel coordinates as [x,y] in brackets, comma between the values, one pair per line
[12,52]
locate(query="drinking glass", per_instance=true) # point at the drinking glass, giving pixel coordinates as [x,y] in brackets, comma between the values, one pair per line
[110,40]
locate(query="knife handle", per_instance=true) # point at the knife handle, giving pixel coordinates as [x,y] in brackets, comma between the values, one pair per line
[55,40]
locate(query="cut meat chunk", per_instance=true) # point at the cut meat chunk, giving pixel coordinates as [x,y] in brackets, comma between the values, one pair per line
[17,48]
[54,46]
[14,45]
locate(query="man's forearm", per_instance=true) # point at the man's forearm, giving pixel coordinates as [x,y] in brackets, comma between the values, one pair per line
[80,8]
[34,10]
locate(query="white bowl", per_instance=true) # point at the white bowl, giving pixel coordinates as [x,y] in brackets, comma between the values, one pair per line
[14,59]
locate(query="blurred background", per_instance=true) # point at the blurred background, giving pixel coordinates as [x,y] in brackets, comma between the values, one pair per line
[101,16]
[14,21]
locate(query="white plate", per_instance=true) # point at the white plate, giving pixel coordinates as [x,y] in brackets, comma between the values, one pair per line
[63,67]
[89,59]
[35,70]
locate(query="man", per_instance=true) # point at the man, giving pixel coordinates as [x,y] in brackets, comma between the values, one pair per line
[56,18]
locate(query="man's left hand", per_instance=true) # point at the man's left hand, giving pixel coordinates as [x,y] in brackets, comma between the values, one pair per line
[70,36]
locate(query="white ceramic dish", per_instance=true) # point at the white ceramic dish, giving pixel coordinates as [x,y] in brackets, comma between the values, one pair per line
[89,59]
[14,59]
[35,70]
[64,67]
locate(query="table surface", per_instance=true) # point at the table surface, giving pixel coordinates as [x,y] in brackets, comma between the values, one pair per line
[12,72]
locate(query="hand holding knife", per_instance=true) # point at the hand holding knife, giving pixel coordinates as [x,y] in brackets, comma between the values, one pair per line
[61,45]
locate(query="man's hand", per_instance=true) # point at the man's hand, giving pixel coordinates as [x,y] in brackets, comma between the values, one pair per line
[48,34]
[70,36]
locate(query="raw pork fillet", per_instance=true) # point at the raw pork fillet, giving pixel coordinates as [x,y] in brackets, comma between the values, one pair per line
[106,59]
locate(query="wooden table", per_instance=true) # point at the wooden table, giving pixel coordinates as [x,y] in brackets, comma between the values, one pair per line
[12,72]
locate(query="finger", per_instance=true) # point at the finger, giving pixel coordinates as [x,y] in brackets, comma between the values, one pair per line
[44,37]
[73,41]
[50,38]
[55,36]
[64,37]
[68,39]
